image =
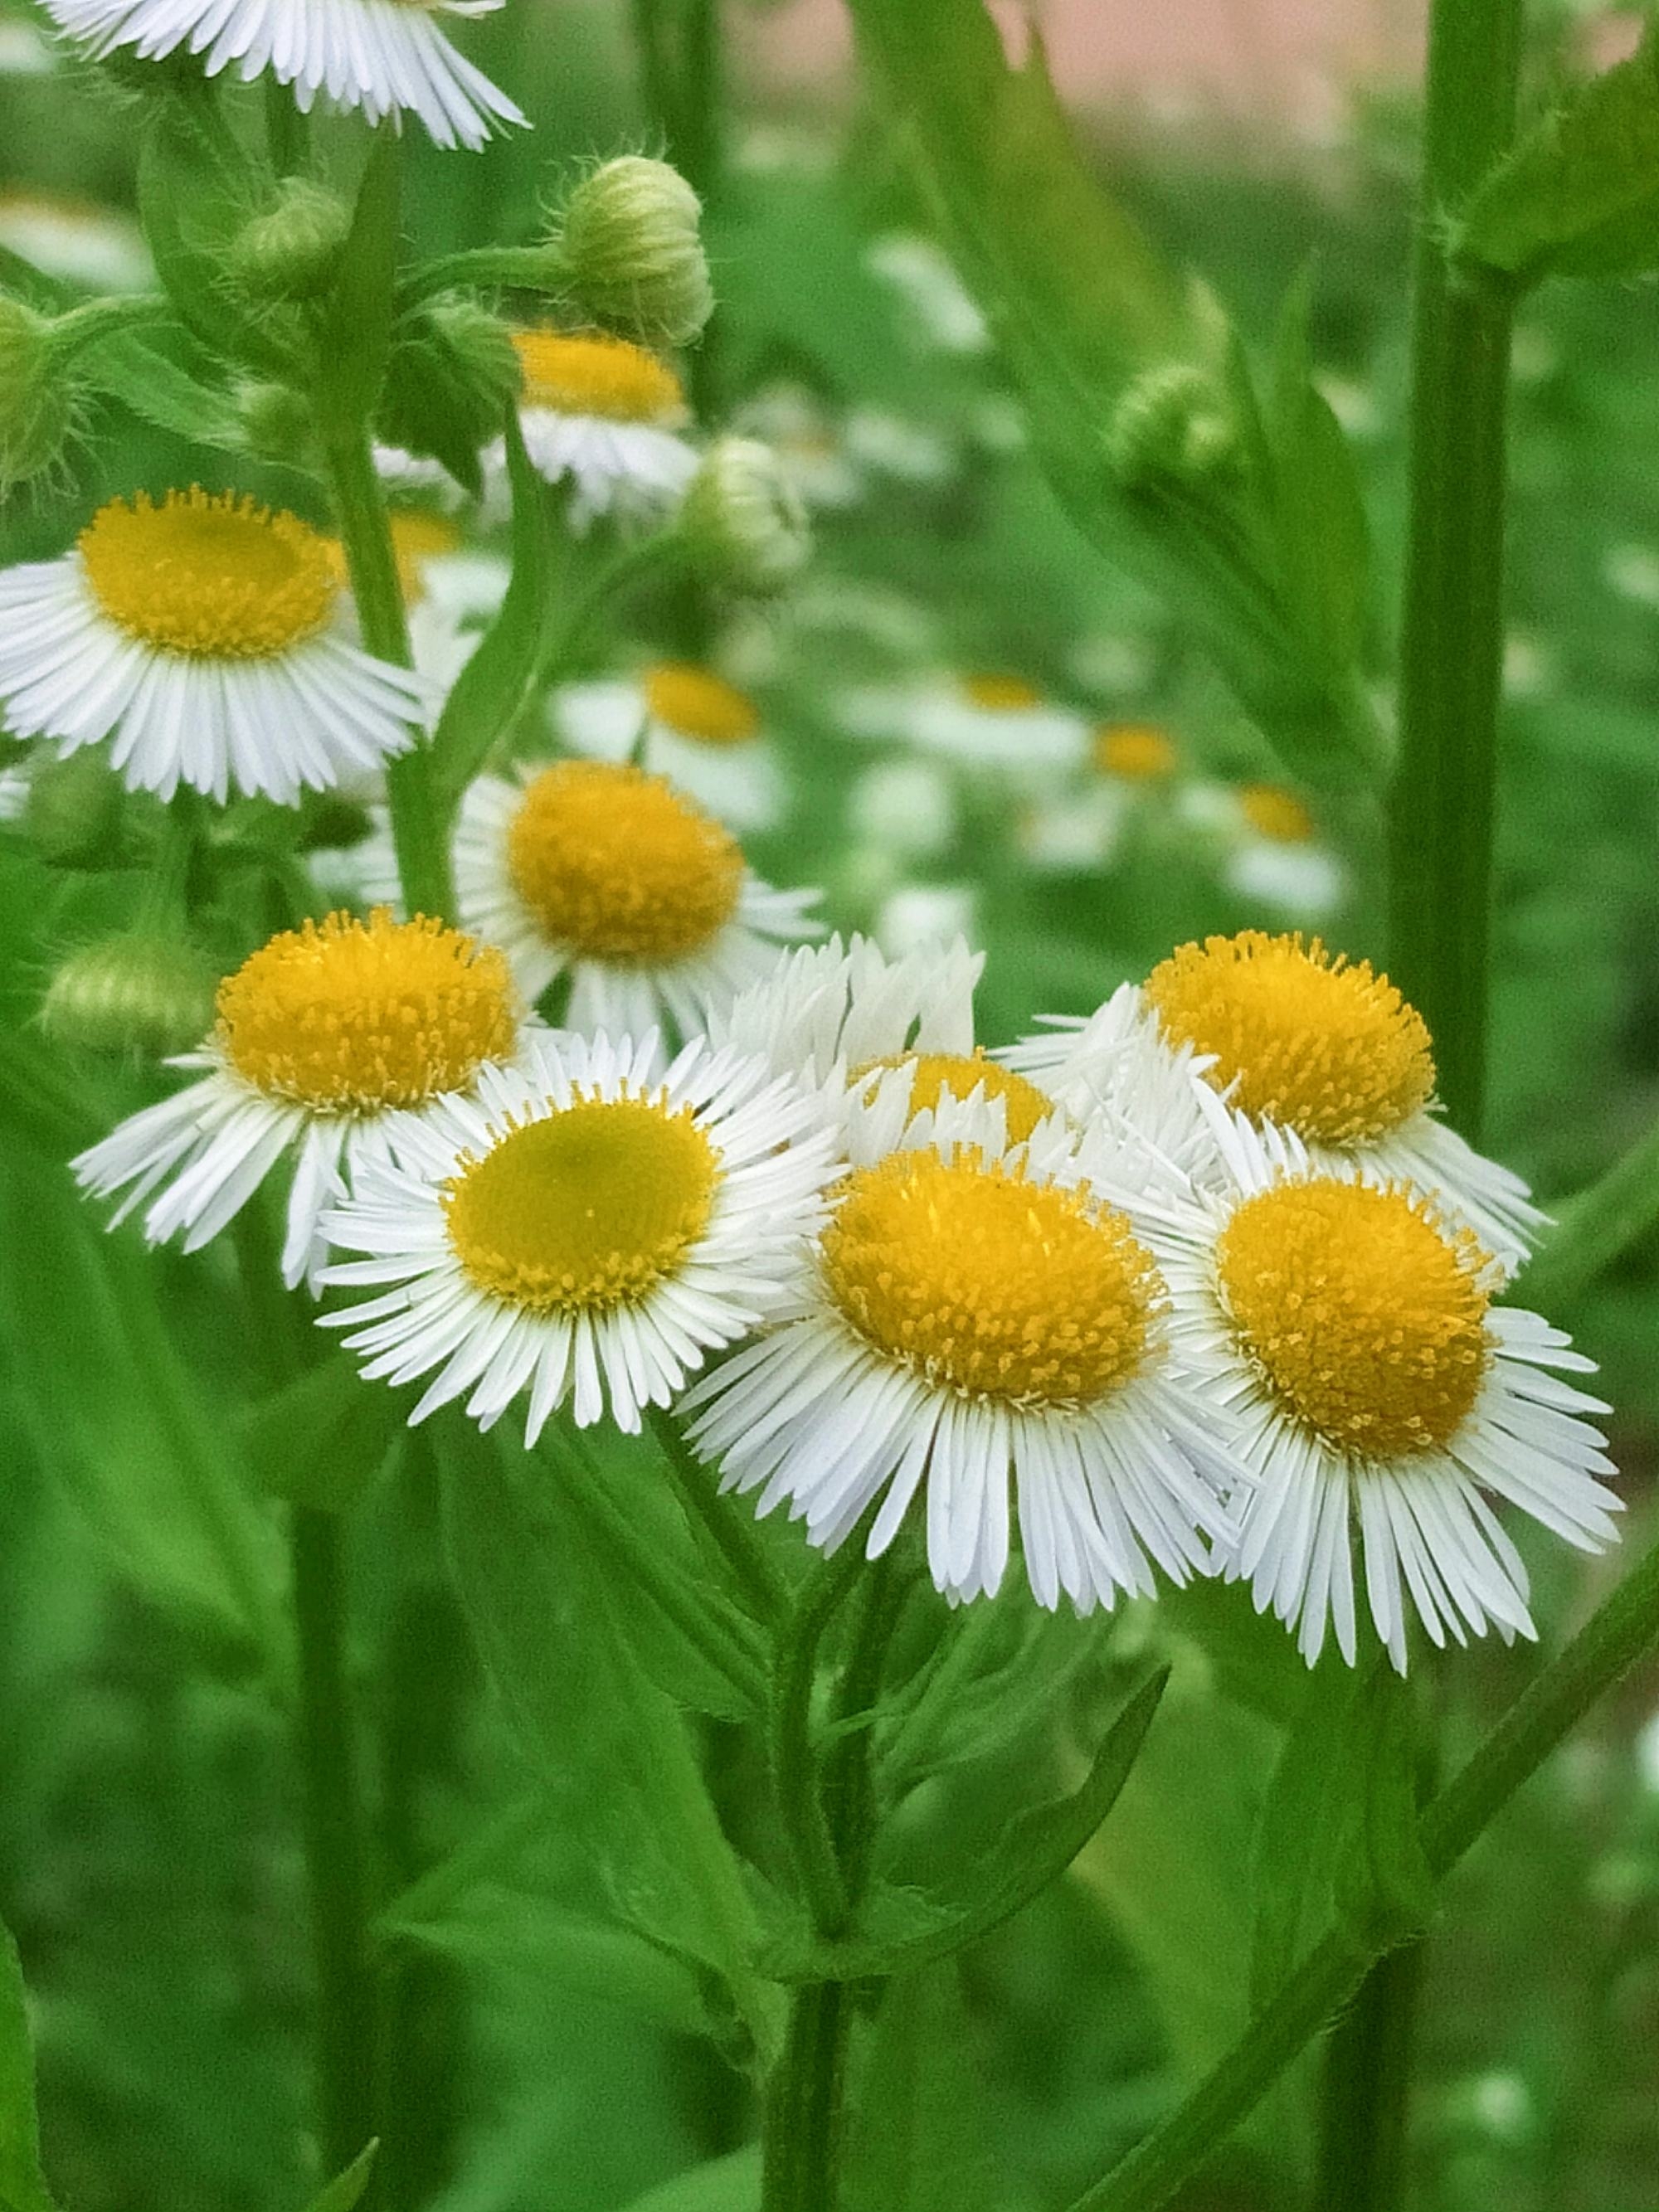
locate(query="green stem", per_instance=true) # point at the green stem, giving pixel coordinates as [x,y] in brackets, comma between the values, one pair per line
[1365,2093]
[1596,1226]
[731,1530]
[336,1859]
[818,1871]
[418,829]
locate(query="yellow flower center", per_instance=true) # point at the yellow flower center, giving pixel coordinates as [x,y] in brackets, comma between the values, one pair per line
[933,1073]
[700,705]
[214,575]
[1330,1049]
[1134,751]
[352,1017]
[989,1285]
[1273,812]
[1001,694]
[591,375]
[586,1210]
[618,866]
[1366,1321]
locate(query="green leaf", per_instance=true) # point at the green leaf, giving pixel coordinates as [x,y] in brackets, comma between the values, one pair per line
[918,2141]
[1253,1662]
[1307,1823]
[159,391]
[1578,194]
[342,2193]
[901,1930]
[1594,1227]
[355,339]
[196,189]
[1320,535]
[1384,1891]
[725,2185]
[22,2185]
[497,682]
[323,1438]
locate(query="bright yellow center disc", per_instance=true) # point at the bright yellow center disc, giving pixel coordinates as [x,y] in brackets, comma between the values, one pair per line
[1275,814]
[1330,1049]
[603,376]
[214,575]
[1133,751]
[1366,1320]
[989,1285]
[617,866]
[346,1016]
[1001,694]
[933,1073]
[696,703]
[586,1210]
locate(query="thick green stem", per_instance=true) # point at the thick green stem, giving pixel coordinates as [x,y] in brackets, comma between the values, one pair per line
[336,1861]
[730,1529]
[419,832]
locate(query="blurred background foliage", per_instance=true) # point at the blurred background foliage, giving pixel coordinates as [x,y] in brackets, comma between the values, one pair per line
[148,1859]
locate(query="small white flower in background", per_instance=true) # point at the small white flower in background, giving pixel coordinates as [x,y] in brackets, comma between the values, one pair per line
[1529,669]
[324,1037]
[595,870]
[1267,845]
[943,313]
[682,721]
[588,1226]
[1633,571]
[207,639]
[918,916]
[1116,664]
[811,451]
[75,239]
[23,53]
[984,1332]
[1394,1400]
[874,614]
[988,721]
[383,57]
[903,808]
[898,446]
[1077,833]
[605,416]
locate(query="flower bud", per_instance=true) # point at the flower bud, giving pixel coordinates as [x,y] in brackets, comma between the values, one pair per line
[742,520]
[37,396]
[73,812]
[633,253]
[452,372]
[139,992]
[1172,423]
[290,249]
[276,423]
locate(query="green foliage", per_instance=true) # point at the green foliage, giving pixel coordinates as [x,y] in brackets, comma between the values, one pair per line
[22,2184]
[345,2191]
[356,336]
[727,2185]
[918,2139]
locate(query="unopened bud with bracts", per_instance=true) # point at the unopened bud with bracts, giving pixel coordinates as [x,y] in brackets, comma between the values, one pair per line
[291,249]
[1174,423]
[631,245]
[142,993]
[72,815]
[742,522]
[37,396]
[452,372]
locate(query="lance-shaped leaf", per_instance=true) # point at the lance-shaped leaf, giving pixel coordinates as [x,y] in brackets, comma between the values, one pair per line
[918,2139]
[196,189]
[22,2184]
[160,391]
[357,333]
[343,2193]
[725,2185]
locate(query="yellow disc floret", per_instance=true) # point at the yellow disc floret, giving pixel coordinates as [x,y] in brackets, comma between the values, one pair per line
[353,1017]
[696,703]
[933,1073]
[1273,812]
[1328,1048]
[586,1210]
[1365,1320]
[617,865]
[1136,752]
[989,1285]
[995,694]
[214,575]
[591,375]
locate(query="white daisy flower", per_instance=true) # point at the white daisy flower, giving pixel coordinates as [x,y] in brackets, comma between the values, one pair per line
[810,450]
[994,722]
[588,1226]
[681,720]
[323,1036]
[980,1323]
[1287,1034]
[920,917]
[206,639]
[381,57]
[1374,1387]
[604,415]
[595,870]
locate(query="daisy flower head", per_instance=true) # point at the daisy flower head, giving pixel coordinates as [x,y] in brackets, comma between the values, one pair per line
[381,57]
[589,1225]
[205,638]
[325,1037]
[680,720]
[1373,1387]
[988,721]
[1277,856]
[605,416]
[595,870]
[983,1327]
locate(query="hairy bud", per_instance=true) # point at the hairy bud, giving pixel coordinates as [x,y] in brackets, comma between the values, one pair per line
[290,249]
[1172,424]
[139,992]
[37,396]
[742,521]
[452,372]
[632,251]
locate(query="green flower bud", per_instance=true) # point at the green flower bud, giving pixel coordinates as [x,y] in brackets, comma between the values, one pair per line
[451,375]
[276,423]
[742,521]
[73,812]
[1172,424]
[633,252]
[289,250]
[37,396]
[139,992]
